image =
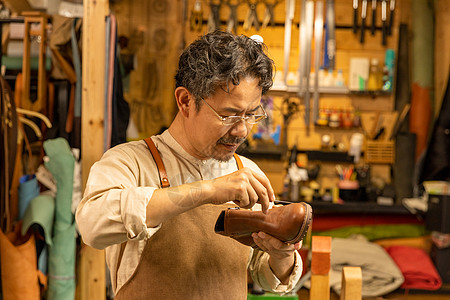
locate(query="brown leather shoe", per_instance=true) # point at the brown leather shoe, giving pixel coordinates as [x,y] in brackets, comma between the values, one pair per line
[288,223]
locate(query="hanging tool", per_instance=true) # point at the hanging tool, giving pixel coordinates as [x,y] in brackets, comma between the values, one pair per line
[355,16]
[196,20]
[269,16]
[306,57]
[289,10]
[318,33]
[374,16]
[303,49]
[383,23]
[330,44]
[214,19]
[391,16]
[363,20]
[252,16]
[232,18]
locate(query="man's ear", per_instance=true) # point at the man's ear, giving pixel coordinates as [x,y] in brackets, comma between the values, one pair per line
[185,100]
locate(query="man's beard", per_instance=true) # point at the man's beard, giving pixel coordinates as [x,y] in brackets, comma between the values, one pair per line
[225,156]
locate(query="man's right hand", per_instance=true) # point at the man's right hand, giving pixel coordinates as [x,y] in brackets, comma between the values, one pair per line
[244,187]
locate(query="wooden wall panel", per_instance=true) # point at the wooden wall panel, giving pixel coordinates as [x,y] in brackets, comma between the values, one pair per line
[154,29]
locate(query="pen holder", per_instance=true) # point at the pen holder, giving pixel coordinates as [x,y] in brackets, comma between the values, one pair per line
[348,190]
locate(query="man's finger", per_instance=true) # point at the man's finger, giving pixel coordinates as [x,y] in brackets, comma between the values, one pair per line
[265,182]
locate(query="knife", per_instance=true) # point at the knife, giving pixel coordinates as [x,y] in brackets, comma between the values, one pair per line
[363,19]
[391,16]
[374,16]
[355,16]
[383,22]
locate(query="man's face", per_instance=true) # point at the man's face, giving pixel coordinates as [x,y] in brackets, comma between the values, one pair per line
[208,137]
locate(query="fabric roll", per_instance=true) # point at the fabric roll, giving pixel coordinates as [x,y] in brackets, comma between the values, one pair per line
[417,268]
[374,232]
[61,269]
[380,274]
[28,189]
[41,211]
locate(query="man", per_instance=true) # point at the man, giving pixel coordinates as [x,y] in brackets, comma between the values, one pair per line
[160,242]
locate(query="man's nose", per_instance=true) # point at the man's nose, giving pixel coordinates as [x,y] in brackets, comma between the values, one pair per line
[240,129]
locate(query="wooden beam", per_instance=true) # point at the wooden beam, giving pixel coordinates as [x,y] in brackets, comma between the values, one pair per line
[91,274]
[351,283]
[320,268]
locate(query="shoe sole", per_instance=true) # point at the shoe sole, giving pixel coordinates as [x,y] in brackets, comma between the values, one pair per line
[305,226]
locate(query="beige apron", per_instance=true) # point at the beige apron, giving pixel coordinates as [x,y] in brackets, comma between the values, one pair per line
[186,259]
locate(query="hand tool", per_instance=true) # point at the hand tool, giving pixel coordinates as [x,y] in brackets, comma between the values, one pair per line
[232,19]
[318,33]
[374,16]
[355,16]
[269,14]
[252,16]
[196,20]
[303,49]
[330,36]
[305,77]
[383,23]
[289,10]
[214,19]
[363,20]
[391,16]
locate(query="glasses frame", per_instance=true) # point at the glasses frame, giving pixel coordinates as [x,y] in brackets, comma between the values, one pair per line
[237,118]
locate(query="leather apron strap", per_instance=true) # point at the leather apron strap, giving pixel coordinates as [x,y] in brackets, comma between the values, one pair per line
[238,161]
[159,163]
[162,170]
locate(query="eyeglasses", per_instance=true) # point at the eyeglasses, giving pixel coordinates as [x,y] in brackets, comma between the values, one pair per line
[231,120]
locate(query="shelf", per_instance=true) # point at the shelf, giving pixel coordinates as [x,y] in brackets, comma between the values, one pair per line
[336,90]
[320,207]
[269,151]
[329,156]
[281,88]
[371,93]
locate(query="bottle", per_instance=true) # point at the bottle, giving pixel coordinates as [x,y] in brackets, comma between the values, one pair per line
[339,81]
[323,118]
[374,82]
[388,70]
[357,119]
[334,121]
[321,77]
[347,121]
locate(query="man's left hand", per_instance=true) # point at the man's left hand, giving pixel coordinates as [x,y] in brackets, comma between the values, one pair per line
[281,254]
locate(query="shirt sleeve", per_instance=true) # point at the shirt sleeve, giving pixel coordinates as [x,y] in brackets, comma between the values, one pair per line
[263,275]
[113,208]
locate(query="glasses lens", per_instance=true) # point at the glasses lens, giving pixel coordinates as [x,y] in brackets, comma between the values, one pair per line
[255,119]
[231,120]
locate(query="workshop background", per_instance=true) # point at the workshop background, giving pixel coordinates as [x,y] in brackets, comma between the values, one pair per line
[359,127]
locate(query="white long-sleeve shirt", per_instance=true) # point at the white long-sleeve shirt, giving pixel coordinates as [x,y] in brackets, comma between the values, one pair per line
[119,187]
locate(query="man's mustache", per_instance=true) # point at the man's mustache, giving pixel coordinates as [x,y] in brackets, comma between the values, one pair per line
[231,140]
